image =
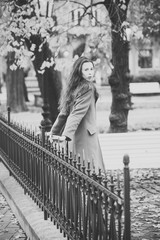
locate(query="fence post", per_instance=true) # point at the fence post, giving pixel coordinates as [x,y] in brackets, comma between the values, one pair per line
[44,172]
[9,115]
[127,219]
[9,142]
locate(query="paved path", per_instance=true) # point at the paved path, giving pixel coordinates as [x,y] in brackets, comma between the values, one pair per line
[142,147]
[10,228]
[30,216]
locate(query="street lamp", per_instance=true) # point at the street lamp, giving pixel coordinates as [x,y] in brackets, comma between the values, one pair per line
[46,122]
[129,34]
[45,10]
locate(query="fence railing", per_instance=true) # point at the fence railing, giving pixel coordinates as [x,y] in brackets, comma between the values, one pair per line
[82,204]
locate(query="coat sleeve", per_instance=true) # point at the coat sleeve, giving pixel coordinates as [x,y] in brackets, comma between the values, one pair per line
[79,110]
[59,124]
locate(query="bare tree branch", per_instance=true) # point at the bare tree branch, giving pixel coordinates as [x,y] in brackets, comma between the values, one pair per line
[78,3]
[127,2]
[87,7]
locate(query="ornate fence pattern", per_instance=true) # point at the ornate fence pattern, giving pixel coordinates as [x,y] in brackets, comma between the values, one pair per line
[82,204]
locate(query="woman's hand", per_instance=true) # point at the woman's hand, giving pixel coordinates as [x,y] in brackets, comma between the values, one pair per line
[56,138]
[59,138]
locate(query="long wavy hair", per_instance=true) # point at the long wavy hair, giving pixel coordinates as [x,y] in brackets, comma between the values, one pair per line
[75,82]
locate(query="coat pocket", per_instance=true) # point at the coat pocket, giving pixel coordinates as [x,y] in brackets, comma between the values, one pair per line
[91,129]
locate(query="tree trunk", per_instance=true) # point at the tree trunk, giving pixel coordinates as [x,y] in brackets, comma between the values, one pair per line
[50,81]
[15,87]
[119,82]
[119,79]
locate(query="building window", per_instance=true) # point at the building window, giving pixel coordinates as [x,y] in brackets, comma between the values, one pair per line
[96,17]
[76,17]
[79,18]
[145,58]
[86,20]
[72,15]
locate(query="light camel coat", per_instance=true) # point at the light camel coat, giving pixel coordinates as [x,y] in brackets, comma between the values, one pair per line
[79,125]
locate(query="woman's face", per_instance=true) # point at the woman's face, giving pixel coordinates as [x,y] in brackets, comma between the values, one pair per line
[88,71]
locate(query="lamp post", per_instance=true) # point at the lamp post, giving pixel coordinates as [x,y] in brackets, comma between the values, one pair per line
[46,122]
[128,40]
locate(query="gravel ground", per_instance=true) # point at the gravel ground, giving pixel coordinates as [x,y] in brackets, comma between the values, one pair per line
[145,204]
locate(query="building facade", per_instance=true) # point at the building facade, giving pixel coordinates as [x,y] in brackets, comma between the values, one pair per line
[144,57]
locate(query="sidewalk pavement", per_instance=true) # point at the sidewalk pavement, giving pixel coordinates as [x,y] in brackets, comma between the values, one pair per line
[30,216]
[143,148]
[9,226]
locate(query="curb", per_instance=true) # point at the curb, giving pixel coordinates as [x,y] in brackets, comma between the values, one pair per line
[29,215]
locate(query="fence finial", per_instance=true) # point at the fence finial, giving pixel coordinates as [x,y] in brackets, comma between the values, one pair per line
[126,160]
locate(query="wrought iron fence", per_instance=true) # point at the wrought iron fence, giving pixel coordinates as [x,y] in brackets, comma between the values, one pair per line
[82,204]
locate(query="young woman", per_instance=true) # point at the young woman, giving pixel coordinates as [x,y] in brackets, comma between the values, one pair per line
[76,121]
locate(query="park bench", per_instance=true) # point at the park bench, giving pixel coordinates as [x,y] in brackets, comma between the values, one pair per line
[33,88]
[145,88]
[32,85]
